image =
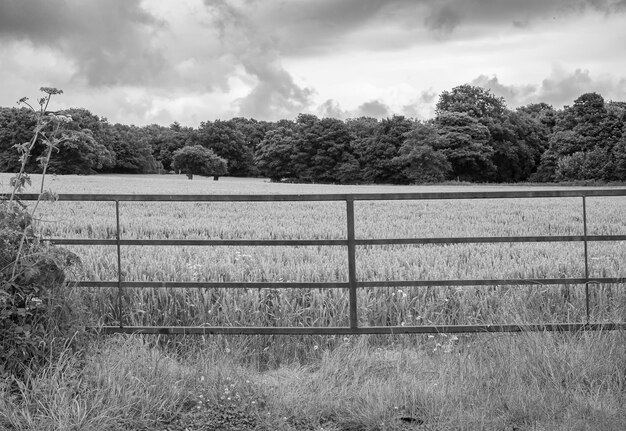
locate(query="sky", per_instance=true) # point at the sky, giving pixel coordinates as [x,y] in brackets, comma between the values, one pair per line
[160,61]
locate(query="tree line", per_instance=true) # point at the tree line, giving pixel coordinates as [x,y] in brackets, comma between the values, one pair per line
[472,137]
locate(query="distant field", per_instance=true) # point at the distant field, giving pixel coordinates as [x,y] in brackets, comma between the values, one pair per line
[315,220]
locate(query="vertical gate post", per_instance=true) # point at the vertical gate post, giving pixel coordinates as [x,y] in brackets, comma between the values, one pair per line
[586,259]
[119,264]
[351,263]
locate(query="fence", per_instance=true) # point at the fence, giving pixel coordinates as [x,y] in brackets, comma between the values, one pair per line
[351,243]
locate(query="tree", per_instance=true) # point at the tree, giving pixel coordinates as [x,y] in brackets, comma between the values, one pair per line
[228,142]
[585,144]
[542,112]
[477,102]
[164,141]
[16,127]
[130,144]
[80,154]
[420,161]
[308,130]
[518,141]
[274,153]
[254,132]
[197,160]
[377,154]
[323,150]
[465,143]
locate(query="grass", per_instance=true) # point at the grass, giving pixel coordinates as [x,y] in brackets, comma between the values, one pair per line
[531,381]
[528,381]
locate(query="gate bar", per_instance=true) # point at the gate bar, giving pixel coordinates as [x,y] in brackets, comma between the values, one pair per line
[343,330]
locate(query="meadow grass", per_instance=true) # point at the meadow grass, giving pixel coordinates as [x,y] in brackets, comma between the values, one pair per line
[481,381]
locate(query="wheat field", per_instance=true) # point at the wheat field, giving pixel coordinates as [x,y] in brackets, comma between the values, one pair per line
[327,220]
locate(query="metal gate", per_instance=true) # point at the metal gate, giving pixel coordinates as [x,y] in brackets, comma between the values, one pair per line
[350,243]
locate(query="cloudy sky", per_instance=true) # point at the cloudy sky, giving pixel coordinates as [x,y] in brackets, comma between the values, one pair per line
[159,61]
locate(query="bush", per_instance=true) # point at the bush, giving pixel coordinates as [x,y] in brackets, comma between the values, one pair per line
[34,310]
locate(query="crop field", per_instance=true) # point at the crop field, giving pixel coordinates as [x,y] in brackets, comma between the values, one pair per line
[327,220]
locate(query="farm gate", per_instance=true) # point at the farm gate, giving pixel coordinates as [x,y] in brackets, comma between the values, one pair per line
[350,242]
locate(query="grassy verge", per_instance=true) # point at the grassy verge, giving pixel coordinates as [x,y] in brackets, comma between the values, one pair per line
[534,381]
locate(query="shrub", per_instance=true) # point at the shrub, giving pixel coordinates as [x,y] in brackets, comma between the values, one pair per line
[34,311]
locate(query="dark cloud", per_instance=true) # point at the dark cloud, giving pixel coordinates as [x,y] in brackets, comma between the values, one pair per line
[275,95]
[559,89]
[332,109]
[108,41]
[443,20]
[562,89]
[423,107]
[511,93]
[427,96]
[519,14]
[373,108]
[307,28]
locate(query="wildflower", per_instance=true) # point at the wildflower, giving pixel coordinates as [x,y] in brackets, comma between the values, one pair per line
[315,347]
[51,90]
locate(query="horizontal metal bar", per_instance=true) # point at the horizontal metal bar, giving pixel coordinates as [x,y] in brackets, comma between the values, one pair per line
[213,285]
[492,282]
[330,242]
[389,330]
[342,285]
[334,197]
[488,239]
[199,242]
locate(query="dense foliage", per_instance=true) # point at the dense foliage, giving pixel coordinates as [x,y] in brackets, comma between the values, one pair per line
[36,319]
[34,310]
[473,137]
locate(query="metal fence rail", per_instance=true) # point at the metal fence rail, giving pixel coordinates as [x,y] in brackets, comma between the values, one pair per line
[350,242]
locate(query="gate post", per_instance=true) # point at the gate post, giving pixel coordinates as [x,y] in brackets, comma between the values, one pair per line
[119,264]
[586,259]
[351,263]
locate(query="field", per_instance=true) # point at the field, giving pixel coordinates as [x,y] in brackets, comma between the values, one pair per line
[522,381]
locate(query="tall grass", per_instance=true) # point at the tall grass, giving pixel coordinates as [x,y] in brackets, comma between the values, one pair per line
[529,381]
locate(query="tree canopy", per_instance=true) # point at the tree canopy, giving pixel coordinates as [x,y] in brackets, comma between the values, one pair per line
[472,137]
